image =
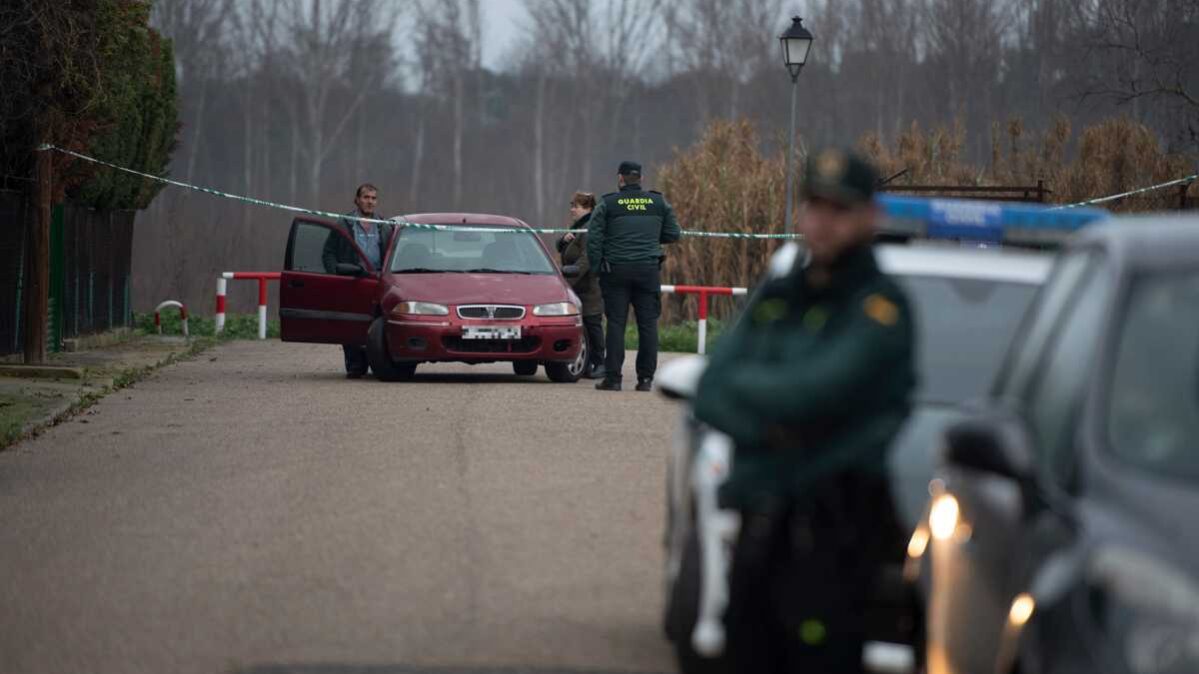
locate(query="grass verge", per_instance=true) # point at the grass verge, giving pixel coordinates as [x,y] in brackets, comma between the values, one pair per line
[18,414]
[681,337]
[237,326]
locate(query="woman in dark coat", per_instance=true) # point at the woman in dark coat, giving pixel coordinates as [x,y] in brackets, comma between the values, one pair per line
[573,248]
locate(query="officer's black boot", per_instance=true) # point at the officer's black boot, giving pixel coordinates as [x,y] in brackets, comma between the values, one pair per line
[645,383]
[608,385]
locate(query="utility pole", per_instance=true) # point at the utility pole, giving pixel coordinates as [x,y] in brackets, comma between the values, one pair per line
[37,303]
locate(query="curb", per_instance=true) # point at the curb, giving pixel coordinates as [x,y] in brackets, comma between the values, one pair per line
[41,371]
[98,341]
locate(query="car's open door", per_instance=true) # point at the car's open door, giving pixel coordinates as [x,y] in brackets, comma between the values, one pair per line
[316,304]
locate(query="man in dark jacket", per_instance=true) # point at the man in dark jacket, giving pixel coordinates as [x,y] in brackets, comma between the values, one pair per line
[625,238]
[812,384]
[363,241]
[573,249]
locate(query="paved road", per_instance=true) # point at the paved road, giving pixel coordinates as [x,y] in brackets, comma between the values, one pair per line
[254,511]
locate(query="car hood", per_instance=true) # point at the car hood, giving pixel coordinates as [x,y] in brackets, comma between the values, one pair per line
[913,457]
[523,289]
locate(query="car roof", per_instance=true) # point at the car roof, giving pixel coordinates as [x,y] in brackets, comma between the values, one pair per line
[1146,240]
[929,258]
[464,219]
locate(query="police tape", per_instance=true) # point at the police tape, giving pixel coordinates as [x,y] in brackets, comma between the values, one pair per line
[396,220]
[1103,200]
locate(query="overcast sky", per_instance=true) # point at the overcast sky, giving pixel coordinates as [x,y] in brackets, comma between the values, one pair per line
[502,23]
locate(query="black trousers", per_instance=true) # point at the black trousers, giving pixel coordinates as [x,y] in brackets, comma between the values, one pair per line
[803,575]
[640,285]
[593,328]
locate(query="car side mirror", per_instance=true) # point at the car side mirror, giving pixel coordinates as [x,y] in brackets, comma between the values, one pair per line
[997,445]
[350,269]
[570,271]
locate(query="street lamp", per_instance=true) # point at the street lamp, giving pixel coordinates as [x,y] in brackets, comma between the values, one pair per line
[796,42]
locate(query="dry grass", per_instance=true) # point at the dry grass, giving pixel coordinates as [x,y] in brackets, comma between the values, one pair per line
[724,183]
[1114,156]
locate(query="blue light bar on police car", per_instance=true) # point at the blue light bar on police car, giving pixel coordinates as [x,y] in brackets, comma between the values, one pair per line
[983,221]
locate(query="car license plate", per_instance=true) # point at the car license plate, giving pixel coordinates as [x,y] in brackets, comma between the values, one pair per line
[491,332]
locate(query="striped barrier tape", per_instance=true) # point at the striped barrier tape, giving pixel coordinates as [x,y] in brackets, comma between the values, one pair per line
[1103,200]
[331,215]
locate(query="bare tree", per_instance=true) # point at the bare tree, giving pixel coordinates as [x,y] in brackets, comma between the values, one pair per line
[1146,50]
[341,50]
[965,40]
[450,46]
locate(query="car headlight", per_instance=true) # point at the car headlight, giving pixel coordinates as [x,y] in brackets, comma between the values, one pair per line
[556,309]
[420,309]
[1153,612]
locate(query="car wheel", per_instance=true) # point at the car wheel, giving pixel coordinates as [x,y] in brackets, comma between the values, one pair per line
[379,358]
[683,611]
[524,368]
[569,373]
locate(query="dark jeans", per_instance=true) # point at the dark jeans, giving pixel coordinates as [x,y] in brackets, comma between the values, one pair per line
[641,285]
[355,359]
[593,326]
[803,574]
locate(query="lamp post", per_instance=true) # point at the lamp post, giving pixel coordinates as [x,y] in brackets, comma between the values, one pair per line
[796,42]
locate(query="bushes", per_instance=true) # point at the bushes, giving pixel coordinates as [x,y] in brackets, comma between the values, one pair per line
[93,77]
[722,183]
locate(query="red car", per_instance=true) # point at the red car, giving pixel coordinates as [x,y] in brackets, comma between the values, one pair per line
[481,291]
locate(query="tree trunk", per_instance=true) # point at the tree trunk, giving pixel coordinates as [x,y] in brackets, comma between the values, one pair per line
[37,294]
[459,122]
[293,179]
[418,157]
[539,149]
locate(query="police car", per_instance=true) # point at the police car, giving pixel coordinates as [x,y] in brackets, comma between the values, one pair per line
[971,270]
[1060,535]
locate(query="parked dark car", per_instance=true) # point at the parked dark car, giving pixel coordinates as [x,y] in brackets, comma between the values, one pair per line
[1060,537]
[464,287]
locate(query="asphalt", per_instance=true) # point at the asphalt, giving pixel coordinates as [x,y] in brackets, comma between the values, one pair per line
[251,510]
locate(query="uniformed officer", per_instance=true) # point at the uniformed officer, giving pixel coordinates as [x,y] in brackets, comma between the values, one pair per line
[624,241]
[811,384]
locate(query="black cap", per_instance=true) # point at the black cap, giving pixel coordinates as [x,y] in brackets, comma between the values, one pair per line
[841,177]
[629,168]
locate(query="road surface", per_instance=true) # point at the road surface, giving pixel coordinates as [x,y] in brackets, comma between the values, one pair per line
[253,511]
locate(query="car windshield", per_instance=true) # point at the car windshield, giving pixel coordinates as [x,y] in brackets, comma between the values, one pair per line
[1153,404]
[964,327]
[464,250]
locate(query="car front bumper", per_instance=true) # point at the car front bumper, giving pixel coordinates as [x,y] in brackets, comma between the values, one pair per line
[440,338]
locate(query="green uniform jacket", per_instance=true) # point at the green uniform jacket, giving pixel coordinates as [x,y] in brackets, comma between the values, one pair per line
[629,227]
[811,381]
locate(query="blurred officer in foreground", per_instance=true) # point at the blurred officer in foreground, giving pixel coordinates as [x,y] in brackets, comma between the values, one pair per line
[624,242]
[812,384]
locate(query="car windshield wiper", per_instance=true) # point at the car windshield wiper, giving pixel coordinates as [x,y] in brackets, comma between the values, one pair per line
[425,270]
[488,270]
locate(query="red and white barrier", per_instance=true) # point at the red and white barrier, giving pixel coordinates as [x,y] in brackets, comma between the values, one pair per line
[263,277]
[704,292]
[182,315]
